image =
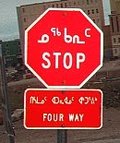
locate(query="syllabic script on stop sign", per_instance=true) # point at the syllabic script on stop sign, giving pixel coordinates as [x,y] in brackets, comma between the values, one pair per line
[63,48]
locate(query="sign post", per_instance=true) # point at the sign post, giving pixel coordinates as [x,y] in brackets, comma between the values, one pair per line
[61,136]
[5,101]
[63,53]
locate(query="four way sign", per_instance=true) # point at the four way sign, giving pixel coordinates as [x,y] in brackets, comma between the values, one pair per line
[63,109]
[63,48]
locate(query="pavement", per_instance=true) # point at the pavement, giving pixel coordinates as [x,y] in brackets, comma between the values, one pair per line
[109,133]
[23,81]
[111,66]
[105,141]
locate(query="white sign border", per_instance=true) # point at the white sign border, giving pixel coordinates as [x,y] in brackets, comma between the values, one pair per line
[44,89]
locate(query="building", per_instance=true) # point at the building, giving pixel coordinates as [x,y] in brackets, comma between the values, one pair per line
[115,27]
[29,13]
[115,6]
[107,43]
[12,53]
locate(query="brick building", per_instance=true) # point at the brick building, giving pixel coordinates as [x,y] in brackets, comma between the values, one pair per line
[12,52]
[28,13]
[115,27]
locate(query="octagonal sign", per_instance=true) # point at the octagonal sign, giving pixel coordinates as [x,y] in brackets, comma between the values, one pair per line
[63,48]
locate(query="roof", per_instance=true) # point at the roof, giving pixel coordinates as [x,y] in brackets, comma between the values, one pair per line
[42,3]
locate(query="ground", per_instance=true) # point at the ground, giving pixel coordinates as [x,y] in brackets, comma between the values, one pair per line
[107,81]
[109,133]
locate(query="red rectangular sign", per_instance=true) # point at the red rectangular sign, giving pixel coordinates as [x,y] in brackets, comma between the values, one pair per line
[63,109]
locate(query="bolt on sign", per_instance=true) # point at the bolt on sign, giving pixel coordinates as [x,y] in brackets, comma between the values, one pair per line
[63,48]
[63,109]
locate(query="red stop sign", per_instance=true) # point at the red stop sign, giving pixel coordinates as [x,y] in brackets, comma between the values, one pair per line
[63,48]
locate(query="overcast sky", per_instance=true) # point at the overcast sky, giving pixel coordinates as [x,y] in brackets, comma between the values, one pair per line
[8,16]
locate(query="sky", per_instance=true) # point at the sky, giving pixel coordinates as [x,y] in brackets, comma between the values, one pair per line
[8,16]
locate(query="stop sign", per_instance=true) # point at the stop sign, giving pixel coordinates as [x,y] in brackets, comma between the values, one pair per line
[63,48]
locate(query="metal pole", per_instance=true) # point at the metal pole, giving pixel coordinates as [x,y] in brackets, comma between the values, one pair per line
[62,133]
[5,102]
[61,136]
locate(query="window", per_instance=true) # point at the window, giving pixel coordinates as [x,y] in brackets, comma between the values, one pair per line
[61,5]
[88,12]
[97,11]
[23,9]
[24,19]
[98,20]
[7,52]
[19,43]
[118,40]
[92,11]
[82,1]
[114,40]
[115,51]
[112,24]
[57,5]
[65,4]
[44,7]
[53,5]
[117,23]
[87,1]
[74,3]
[94,20]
